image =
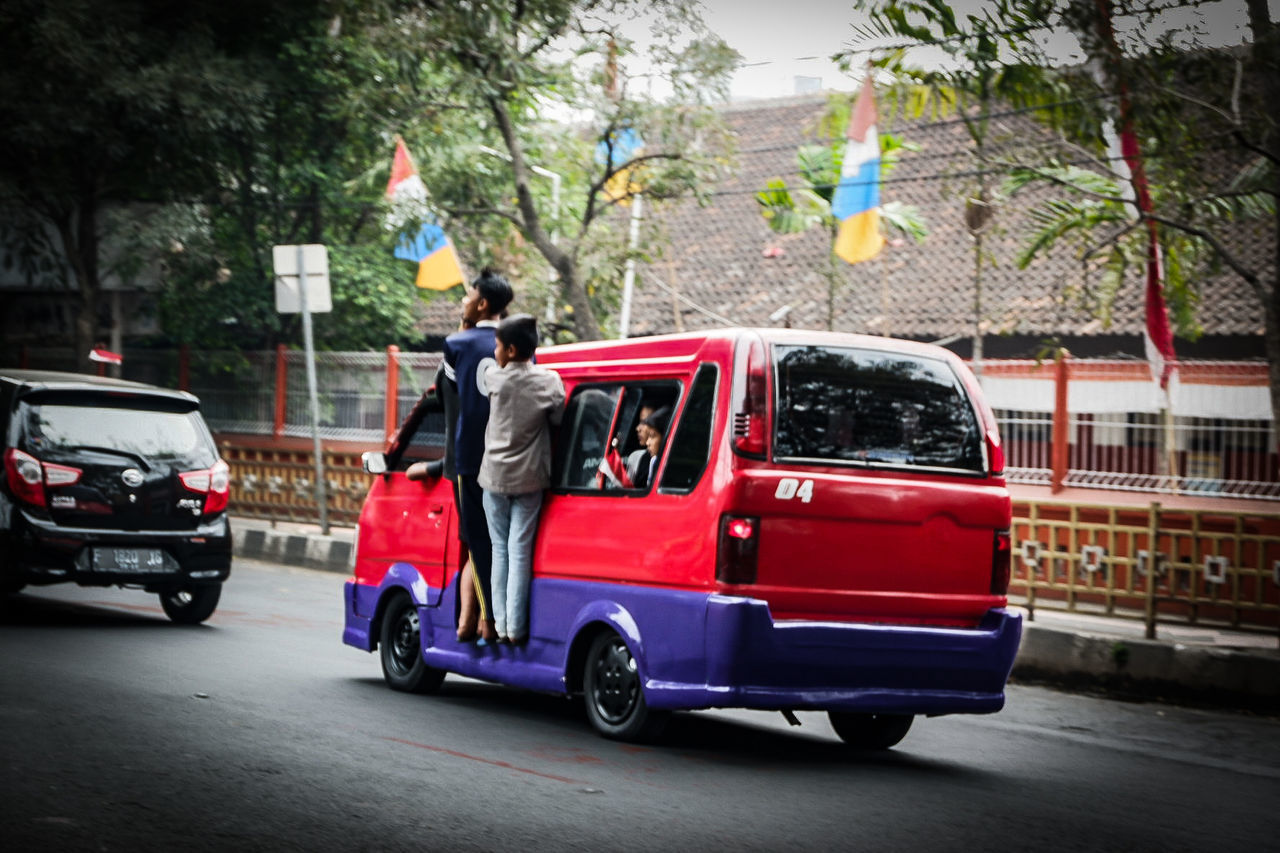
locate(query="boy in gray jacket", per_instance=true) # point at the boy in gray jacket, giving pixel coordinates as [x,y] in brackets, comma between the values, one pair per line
[525,401]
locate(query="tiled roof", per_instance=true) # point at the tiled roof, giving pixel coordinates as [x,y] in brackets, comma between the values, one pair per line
[721,263]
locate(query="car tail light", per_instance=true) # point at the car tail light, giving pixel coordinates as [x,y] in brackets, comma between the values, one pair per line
[27,476]
[750,398]
[737,549]
[1001,563]
[60,475]
[995,453]
[214,483]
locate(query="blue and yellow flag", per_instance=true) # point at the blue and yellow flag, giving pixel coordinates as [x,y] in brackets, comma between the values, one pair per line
[857,198]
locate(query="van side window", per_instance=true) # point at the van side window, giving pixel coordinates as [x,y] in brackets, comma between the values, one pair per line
[599,447]
[584,436]
[426,441]
[691,444]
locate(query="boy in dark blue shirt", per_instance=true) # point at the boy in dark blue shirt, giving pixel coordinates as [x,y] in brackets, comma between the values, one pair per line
[465,354]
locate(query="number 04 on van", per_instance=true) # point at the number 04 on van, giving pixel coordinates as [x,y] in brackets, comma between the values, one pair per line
[824,527]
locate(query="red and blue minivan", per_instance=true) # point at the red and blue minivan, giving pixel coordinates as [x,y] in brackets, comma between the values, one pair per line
[827,529]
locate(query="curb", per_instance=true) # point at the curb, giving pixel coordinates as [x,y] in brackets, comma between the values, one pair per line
[1129,667]
[305,550]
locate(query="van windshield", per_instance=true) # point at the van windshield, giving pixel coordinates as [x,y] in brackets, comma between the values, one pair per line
[873,407]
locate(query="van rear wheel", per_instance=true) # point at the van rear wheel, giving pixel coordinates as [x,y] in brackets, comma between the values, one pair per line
[400,650]
[870,731]
[614,695]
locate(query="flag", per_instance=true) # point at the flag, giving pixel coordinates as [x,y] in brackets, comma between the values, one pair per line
[626,144]
[429,247]
[105,356]
[856,203]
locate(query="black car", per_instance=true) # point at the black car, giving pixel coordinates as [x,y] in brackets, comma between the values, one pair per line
[108,482]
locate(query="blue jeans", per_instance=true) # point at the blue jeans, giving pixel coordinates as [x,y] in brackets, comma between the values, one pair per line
[513,521]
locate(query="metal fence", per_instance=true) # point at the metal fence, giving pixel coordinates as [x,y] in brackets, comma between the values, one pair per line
[1209,567]
[1210,435]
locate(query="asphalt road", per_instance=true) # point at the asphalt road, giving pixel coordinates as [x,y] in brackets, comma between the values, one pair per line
[261,731]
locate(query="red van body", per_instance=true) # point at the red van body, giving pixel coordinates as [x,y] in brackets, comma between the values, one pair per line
[827,530]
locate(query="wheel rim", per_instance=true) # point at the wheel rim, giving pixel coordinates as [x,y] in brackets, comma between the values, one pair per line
[616,683]
[182,598]
[404,641]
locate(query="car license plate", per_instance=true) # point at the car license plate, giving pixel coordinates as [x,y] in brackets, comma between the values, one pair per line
[131,560]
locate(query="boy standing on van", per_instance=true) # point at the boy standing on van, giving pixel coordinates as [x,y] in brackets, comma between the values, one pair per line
[486,299]
[525,401]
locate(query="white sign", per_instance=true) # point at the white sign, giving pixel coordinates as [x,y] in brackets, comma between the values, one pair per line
[315,260]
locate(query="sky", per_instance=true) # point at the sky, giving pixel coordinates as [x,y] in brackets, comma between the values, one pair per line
[782,39]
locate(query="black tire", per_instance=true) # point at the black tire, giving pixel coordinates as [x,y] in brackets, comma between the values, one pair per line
[870,731]
[400,649]
[614,695]
[191,605]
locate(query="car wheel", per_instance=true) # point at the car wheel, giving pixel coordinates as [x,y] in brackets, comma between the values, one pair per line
[400,649]
[614,695]
[870,731]
[191,605]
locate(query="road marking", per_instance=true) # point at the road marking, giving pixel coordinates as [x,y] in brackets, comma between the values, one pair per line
[492,761]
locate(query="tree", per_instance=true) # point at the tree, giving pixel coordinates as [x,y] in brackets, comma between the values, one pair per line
[808,206]
[515,72]
[989,61]
[110,103]
[1216,168]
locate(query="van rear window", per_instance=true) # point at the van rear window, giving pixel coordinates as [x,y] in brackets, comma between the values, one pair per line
[872,407]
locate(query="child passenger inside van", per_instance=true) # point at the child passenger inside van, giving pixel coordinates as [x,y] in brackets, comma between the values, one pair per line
[655,430]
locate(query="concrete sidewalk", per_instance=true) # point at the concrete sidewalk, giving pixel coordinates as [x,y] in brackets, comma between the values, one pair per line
[1225,668]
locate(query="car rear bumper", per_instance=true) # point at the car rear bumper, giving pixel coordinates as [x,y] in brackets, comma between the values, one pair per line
[43,552]
[755,662]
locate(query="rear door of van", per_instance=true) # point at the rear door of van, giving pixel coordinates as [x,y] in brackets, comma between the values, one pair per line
[873,500]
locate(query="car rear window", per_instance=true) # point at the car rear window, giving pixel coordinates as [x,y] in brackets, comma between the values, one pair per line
[872,407]
[146,433]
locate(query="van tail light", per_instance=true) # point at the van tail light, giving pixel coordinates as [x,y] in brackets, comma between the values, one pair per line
[995,453]
[750,398]
[214,483]
[736,552]
[27,476]
[1001,563]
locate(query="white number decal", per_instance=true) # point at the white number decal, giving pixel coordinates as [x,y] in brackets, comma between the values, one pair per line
[789,487]
[805,494]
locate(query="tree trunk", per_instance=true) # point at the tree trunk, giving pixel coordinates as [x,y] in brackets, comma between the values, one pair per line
[585,325]
[77,228]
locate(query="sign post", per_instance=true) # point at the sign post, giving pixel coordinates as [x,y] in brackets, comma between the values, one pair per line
[303,271]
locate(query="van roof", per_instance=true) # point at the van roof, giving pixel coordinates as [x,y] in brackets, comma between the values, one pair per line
[689,343]
[54,380]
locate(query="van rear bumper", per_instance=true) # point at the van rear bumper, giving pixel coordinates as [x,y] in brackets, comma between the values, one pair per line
[754,662]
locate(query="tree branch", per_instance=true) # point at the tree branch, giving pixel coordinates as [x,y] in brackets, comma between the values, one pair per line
[1230,259]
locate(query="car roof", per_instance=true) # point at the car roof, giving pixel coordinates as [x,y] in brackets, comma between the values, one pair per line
[55,380]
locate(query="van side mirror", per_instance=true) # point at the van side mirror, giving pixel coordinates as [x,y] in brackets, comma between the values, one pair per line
[374,462]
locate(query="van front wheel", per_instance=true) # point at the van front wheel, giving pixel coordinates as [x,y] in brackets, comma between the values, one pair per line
[870,731]
[400,649]
[614,696]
